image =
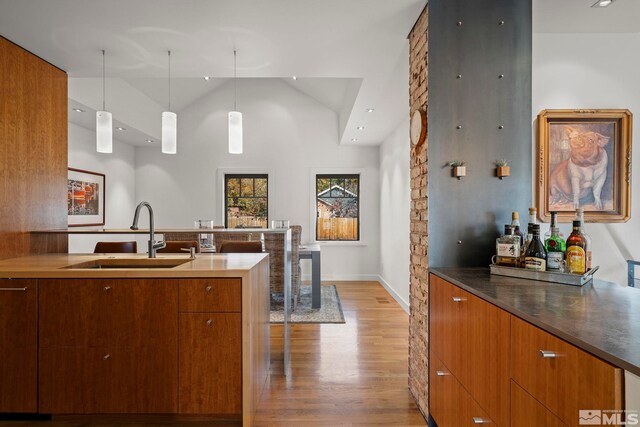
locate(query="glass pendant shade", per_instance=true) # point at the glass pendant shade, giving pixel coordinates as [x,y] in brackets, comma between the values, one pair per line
[104,132]
[235,132]
[169,132]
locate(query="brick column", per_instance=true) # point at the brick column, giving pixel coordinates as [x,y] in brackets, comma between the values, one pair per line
[418,296]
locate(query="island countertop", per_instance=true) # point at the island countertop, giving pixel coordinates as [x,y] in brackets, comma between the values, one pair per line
[56,266]
[602,318]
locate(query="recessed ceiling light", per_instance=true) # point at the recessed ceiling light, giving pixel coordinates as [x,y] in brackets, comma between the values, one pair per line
[149,141]
[78,110]
[370,110]
[360,128]
[207,78]
[603,3]
[120,128]
[354,139]
[295,77]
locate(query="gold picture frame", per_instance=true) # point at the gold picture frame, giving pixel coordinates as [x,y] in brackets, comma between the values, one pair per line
[584,159]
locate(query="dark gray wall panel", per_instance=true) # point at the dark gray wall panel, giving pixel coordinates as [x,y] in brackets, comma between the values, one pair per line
[474,210]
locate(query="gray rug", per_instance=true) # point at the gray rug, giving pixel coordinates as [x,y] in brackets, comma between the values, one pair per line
[330,310]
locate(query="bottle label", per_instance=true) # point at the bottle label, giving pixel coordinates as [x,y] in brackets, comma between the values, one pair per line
[533,263]
[554,261]
[576,260]
[508,250]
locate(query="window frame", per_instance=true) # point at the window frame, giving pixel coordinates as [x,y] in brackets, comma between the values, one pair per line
[226,176]
[344,176]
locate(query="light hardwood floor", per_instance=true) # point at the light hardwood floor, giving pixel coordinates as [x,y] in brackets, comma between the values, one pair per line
[352,374]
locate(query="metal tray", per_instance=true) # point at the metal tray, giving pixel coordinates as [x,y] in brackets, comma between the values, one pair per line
[545,276]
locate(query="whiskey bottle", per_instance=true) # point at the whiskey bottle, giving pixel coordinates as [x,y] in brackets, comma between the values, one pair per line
[508,248]
[533,219]
[536,256]
[555,246]
[580,217]
[576,250]
[515,224]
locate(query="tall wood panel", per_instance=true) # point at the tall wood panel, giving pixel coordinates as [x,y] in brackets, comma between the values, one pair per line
[33,152]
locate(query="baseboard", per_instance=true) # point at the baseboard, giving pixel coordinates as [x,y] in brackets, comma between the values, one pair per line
[344,277]
[394,294]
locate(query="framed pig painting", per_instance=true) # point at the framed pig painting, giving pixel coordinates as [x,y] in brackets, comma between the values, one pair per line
[584,160]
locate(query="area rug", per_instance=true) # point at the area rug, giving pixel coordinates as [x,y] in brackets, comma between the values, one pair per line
[330,310]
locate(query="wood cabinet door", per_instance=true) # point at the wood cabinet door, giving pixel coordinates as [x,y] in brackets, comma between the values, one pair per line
[211,295]
[562,377]
[528,412]
[210,363]
[443,406]
[108,312]
[18,345]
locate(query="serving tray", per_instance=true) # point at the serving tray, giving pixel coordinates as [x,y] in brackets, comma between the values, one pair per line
[545,276]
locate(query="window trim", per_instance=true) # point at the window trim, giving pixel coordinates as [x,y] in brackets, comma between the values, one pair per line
[220,194]
[363,198]
[357,197]
[241,176]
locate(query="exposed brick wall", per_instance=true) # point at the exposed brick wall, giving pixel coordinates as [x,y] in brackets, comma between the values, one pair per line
[418,297]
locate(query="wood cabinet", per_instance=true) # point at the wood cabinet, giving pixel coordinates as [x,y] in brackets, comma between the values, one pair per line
[18,345]
[210,363]
[108,346]
[211,295]
[485,361]
[559,375]
[472,338]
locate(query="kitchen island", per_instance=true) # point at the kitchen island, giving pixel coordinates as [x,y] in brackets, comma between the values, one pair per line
[125,334]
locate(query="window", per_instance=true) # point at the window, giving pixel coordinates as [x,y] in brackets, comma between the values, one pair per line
[338,207]
[246,201]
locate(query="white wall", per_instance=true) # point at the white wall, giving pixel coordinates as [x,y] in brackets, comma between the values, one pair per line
[595,71]
[119,168]
[395,199]
[286,134]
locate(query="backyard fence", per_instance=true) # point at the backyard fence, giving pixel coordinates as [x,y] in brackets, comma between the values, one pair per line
[337,228]
[246,222]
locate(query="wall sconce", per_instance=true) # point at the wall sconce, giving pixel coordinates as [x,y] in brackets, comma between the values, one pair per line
[458,168]
[502,168]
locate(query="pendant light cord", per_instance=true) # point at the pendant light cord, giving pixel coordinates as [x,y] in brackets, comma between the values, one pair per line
[103,84]
[169,55]
[235,82]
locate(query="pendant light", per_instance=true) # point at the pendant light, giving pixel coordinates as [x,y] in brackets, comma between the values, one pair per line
[104,122]
[169,123]
[235,117]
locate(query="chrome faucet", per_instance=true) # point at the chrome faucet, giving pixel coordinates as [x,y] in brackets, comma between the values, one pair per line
[153,245]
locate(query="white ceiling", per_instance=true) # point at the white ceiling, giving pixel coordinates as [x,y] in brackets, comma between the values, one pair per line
[577,16]
[328,39]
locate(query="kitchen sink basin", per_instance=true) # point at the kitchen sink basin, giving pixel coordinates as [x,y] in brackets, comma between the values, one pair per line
[129,263]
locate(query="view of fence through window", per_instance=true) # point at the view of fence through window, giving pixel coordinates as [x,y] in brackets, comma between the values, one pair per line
[246,201]
[337,207]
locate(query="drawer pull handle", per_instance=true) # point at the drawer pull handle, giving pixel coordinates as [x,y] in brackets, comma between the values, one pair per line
[208,288]
[478,420]
[107,288]
[14,289]
[548,354]
[106,357]
[441,373]
[458,299]
[210,322]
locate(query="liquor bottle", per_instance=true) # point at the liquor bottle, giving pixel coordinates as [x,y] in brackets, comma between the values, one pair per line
[508,248]
[576,250]
[533,219]
[580,217]
[555,245]
[536,256]
[515,224]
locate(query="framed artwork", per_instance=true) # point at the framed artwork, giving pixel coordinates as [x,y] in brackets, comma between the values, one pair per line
[584,160]
[85,198]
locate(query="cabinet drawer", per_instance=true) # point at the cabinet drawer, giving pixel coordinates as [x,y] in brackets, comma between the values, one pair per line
[211,295]
[449,403]
[210,359]
[473,338]
[562,377]
[528,412]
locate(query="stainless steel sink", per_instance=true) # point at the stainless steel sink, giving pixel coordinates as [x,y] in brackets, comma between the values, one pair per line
[129,263]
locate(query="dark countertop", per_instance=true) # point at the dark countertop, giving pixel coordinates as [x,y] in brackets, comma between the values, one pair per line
[602,318]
